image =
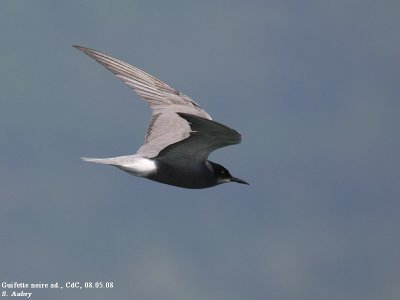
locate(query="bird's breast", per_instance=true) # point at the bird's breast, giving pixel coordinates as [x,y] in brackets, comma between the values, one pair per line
[195,176]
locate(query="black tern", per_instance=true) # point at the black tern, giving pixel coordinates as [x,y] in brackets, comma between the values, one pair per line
[180,137]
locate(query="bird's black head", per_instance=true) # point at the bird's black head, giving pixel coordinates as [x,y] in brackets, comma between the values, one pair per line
[222,174]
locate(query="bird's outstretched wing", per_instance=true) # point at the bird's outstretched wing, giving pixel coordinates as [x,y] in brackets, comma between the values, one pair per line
[205,136]
[159,95]
[166,127]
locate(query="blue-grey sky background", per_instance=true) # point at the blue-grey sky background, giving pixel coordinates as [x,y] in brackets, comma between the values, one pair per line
[314,88]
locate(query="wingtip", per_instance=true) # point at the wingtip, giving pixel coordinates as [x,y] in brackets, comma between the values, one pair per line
[83,49]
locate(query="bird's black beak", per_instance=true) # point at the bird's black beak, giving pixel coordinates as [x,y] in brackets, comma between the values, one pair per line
[238,180]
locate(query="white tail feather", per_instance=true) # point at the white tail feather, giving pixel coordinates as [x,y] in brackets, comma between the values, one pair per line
[133,164]
[106,161]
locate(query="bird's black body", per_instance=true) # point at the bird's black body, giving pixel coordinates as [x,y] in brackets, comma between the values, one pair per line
[193,177]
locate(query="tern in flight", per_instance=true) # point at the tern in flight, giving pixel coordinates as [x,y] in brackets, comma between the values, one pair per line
[180,137]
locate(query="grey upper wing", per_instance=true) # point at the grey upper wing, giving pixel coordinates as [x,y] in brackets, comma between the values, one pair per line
[204,137]
[160,96]
[165,129]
